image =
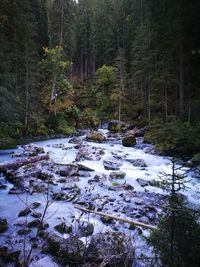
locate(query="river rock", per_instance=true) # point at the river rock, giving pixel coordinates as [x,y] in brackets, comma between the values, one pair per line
[85,228]
[63,228]
[67,251]
[24,212]
[117,175]
[35,205]
[3,186]
[142,182]
[67,170]
[32,150]
[89,153]
[9,256]
[111,249]
[137,162]
[110,165]
[84,168]
[24,231]
[15,190]
[129,141]
[100,178]
[96,137]
[34,223]
[3,225]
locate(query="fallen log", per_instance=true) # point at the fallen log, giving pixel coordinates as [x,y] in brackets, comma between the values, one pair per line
[126,220]
[22,162]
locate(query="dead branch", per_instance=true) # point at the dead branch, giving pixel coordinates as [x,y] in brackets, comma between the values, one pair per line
[126,220]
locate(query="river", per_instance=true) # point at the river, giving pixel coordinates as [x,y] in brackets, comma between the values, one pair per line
[106,193]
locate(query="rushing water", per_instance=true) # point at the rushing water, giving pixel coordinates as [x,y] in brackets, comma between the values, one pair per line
[10,205]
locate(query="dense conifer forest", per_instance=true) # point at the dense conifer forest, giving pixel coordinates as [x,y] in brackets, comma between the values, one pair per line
[68,65]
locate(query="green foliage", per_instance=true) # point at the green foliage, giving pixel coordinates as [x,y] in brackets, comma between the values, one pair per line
[177,238]
[89,118]
[57,92]
[186,239]
[7,142]
[58,124]
[196,159]
[176,139]
[105,75]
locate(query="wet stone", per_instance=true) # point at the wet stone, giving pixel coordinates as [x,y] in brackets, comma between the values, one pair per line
[117,175]
[24,212]
[63,228]
[85,229]
[3,225]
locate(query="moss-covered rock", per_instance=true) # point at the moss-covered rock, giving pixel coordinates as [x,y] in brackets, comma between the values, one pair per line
[96,137]
[129,141]
[7,142]
[117,175]
[67,251]
[63,228]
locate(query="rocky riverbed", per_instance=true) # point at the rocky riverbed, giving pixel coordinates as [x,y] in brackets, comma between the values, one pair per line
[38,202]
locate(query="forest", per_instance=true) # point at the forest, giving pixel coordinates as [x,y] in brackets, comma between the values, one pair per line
[71,67]
[68,65]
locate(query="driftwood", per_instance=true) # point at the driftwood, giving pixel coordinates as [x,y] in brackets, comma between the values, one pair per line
[144,225]
[19,163]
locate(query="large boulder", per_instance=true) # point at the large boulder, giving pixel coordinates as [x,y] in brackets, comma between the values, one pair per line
[70,250]
[96,137]
[66,170]
[129,140]
[111,249]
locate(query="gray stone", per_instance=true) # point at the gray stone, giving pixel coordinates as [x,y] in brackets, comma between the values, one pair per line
[142,182]
[85,228]
[24,212]
[117,175]
[66,251]
[137,162]
[63,228]
[112,249]
[110,165]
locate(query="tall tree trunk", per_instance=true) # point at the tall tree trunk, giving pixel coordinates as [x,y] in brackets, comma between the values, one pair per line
[81,66]
[61,23]
[166,103]
[27,92]
[181,73]
[149,79]
[141,12]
